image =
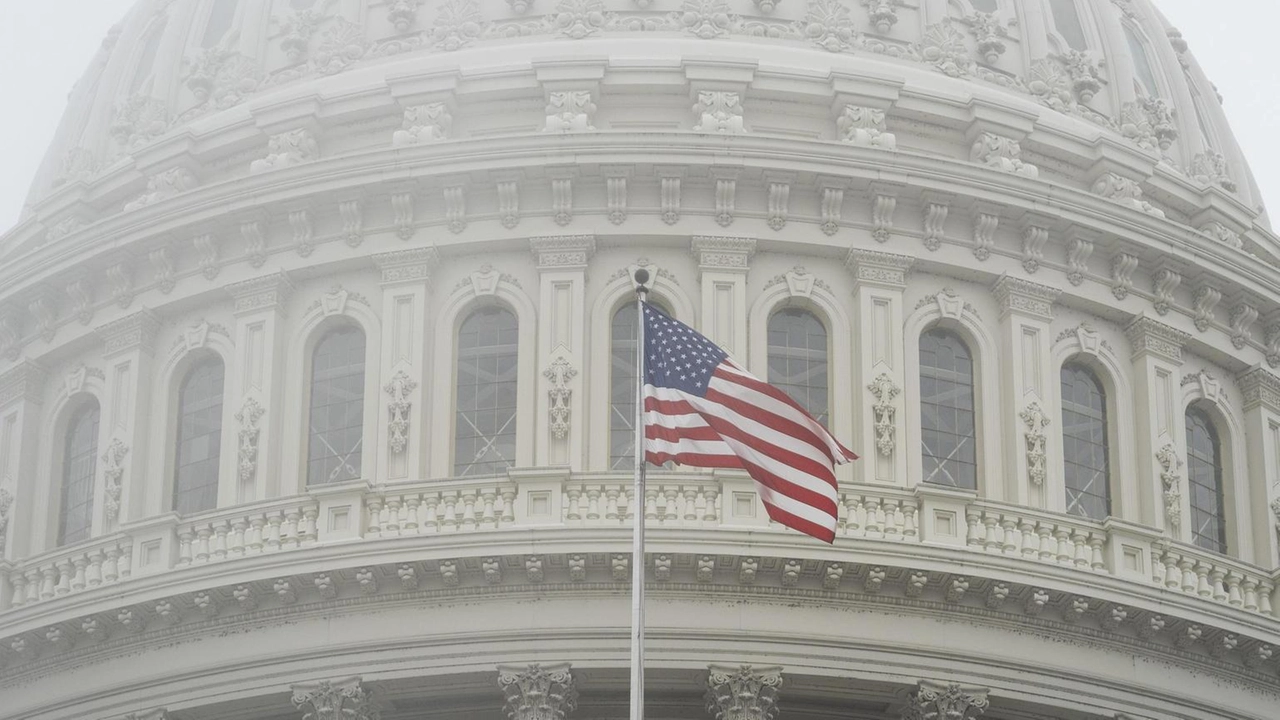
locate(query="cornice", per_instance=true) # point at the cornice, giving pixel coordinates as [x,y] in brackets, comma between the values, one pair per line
[24,381]
[260,293]
[136,331]
[1152,336]
[723,253]
[872,267]
[1016,295]
[563,252]
[405,266]
[1261,388]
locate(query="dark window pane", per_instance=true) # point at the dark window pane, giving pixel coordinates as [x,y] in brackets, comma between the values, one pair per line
[1204,473]
[1066,18]
[798,360]
[79,467]
[947,421]
[485,420]
[1084,443]
[195,482]
[337,407]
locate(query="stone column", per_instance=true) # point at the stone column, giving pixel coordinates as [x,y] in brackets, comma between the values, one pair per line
[256,381]
[1026,310]
[1261,500]
[743,693]
[879,421]
[1159,433]
[933,700]
[537,692]
[402,429]
[562,350]
[723,263]
[124,427]
[343,699]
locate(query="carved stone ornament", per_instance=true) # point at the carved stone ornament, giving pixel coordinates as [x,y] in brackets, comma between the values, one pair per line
[1275,510]
[936,701]
[403,14]
[112,475]
[1001,153]
[337,700]
[538,692]
[1171,479]
[1122,267]
[1210,168]
[559,374]
[1222,234]
[829,25]
[883,14]
[719,111]
[577,19]
[1125,191]
[248,416]
[884,390]
[1036,422]
[6,505]
[1151,123]
[399,388]
[569,111]
[944,47]
[286,150]
[743,693]
[162,186]
[458,24]
[423,124]
[705,19]
[990,34]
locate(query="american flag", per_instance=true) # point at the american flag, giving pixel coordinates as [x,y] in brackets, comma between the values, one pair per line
[701,409]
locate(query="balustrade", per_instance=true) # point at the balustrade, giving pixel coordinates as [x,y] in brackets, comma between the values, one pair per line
[1036,536]
[247,530]
[101,561]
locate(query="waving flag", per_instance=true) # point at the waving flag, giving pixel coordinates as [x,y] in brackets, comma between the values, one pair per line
[701,409]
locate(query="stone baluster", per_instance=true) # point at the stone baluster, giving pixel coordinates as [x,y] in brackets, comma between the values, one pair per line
[743,693]
[951,701]
[343,699]
[538,692]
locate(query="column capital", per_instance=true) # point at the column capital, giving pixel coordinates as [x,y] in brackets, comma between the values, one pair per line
[24,381]
[343,699]
[872,267]
[1025,297]
[129,332]
[538,692]
[726,254]
[1260,387]
[407,266]
[945,700]
[260,293]
[1152,336]
[744,692]
[562,252]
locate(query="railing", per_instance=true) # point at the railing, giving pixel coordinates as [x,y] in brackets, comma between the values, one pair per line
[672,500]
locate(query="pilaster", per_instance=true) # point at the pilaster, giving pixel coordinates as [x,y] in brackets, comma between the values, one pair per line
[404,372]
[21,390]
[562,264]
[880,429]
[256,381]
[742,693]
[537,692]
[1159,424]
[1026,310]
[1261,390]
[723,263]
[124,428]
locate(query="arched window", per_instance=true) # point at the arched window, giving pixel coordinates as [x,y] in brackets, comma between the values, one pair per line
[1084,443]
[337,407]
[1144,77]
[1066,19]
[221,16]
[798,359]
[79,468]
[948,438]
[1204,473]
[622,388]
[485,427]
[195,467]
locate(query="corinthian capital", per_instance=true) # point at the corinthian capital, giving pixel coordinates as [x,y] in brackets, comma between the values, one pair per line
[538,692]
[950,701]
[337,700]
[743,693]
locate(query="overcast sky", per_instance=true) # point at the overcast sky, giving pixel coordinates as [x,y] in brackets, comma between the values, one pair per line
[46,45]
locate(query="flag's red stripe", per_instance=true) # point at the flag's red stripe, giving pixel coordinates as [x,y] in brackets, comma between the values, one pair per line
[659,432]
[793,430]
[732,462]
[800,430]
[795,522]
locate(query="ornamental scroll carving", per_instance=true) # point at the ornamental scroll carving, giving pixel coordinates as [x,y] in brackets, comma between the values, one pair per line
[248,416]
[399,388]
[338,700]
[884,390]
[559,373]
[1171,478]
[6,502]
[112,474]
[936,701]
[743,693]
[1036,422]
[538,692]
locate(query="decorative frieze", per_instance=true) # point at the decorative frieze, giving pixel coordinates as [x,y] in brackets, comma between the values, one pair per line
[423,124]
[1260,388]
[743,693]
[865,127]
[337,700]
[723,253]
[562,251]
[1018,295]
[538,692]
[260,293]
[718,111]
[952,701]
[286,150]
[1149,336]
[412,265]
[132,331]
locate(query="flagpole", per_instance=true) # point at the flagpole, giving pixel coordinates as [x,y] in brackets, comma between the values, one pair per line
[637,512]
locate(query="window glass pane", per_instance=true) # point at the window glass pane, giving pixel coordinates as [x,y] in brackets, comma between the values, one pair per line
[220,17]
[1204,474]
[195,482]
[1066,19]
[987,6]
[1141,63]
[485,425]
[336,418]
[1084,443]
[798,359]
[79,467]
[947,422]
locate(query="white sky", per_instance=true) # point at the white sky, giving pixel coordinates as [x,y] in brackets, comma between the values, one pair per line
[46,45]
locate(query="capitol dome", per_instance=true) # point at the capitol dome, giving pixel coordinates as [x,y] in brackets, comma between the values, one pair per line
[317,365]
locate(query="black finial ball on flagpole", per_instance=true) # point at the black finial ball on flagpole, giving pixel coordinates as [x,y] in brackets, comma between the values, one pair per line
[642,277]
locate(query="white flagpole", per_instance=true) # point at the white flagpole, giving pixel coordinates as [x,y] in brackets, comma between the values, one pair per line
[637,511]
